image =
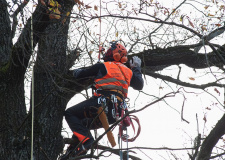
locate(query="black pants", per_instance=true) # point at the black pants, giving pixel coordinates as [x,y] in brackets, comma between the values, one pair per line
[81,118]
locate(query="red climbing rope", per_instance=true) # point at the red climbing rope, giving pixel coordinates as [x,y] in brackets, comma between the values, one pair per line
[126,122]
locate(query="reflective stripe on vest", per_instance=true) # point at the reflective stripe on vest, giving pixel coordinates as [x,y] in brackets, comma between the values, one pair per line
[118,77]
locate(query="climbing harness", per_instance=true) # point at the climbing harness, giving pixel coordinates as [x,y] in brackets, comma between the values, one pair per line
[127,119]
[115,112]
[126,122]
[118,112]
[104,120]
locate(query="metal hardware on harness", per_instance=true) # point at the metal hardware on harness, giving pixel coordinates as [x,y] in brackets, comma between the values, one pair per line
[120,148]
[123,105]
[115,113]
[125,135]
[102,100]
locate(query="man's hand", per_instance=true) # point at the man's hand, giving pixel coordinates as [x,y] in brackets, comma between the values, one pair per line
[135,62]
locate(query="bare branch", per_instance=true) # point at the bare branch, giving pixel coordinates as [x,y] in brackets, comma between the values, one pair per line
[149,20]
[15,21]
[185,84]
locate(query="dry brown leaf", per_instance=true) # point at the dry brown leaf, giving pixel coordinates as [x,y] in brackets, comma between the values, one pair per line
[206,7]
[87,6]
[191,23]
[204,118]
[215,89]
[204,28]
[218,25]
[210,15]
[120,5]
[95,8]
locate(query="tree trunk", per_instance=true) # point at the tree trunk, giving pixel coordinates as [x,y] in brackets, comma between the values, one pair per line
[5,34]
[49,96]
[211,140]
[13,111]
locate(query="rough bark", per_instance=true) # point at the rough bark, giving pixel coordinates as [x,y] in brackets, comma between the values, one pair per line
[211,140]
[49,65]
[159,58]
[14,142]
[5,34]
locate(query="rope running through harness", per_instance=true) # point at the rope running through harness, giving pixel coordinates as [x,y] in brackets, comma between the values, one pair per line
[127,120]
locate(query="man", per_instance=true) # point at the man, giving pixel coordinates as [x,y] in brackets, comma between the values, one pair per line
[110,78]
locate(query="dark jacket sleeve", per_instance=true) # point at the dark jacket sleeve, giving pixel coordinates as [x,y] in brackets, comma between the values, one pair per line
[98,70]
[137,81]
[95,71]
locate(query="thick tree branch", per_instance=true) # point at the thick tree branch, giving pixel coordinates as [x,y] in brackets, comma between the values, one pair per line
[158,59]
[71,57]
[15,21]
[101,147]
[22,49]
[210,141]
[5,34]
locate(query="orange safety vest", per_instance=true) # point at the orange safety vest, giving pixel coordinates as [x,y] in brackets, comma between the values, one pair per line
[118,77]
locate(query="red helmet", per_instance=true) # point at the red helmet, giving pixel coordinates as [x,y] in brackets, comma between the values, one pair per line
[117,52]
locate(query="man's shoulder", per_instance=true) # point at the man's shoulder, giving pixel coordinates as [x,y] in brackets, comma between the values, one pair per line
[99,64]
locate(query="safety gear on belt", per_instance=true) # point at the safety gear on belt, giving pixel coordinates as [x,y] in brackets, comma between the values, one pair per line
[135,62]
[126,122]
[107,93]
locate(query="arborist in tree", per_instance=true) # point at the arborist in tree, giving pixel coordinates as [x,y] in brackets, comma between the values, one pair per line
[111,78]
